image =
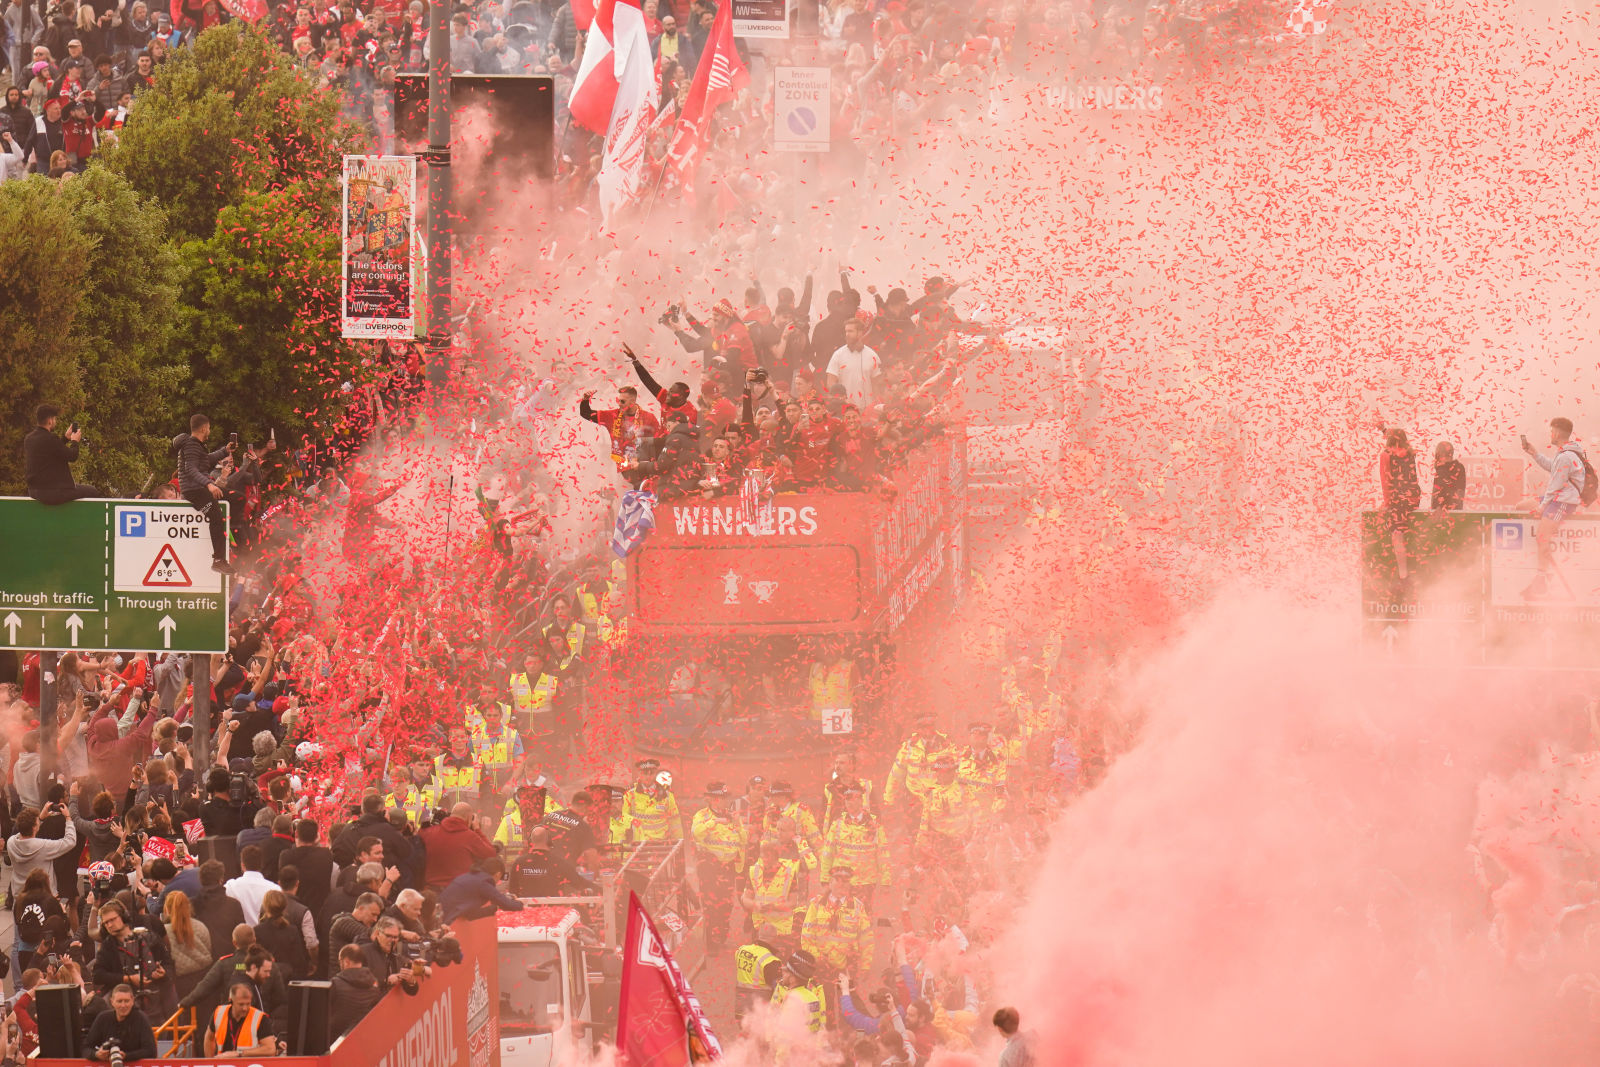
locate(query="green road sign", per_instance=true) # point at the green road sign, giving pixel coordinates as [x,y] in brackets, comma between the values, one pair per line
[131,575]
[1472,585]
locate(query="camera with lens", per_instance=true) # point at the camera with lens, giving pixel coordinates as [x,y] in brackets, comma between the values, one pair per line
[760,375]
[114,1053]
[241,789]
[671,315]
[443,951]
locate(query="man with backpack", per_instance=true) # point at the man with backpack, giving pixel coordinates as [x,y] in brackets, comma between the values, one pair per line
[1572,483]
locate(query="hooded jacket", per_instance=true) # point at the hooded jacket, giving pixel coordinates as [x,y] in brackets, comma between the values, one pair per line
[29,854]
[355,991]
[452,848]
[111,758]
[678,462]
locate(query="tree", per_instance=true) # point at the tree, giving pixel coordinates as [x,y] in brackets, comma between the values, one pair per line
[229,118]
[260,314]
[132,375]
[43,261]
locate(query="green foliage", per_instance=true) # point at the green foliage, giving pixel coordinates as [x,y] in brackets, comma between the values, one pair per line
[193,267]
[260,314]
[132,376]
[43,259]
[229,118]
[89,284]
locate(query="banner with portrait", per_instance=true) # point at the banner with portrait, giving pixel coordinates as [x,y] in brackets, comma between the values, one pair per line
[378,295]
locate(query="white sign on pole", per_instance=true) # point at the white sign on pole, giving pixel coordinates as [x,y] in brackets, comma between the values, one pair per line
[761,18]
[1574,579]
[800,112]
[162,548]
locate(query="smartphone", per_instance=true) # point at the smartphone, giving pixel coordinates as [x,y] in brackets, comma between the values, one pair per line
[73,428]
[233,439]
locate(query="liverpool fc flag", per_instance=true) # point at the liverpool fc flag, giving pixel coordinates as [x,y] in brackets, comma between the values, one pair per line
[659,1021]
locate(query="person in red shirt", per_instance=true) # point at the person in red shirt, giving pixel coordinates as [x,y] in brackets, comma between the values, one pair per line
[716,410]
[673,400]
[726,342]
[627,423]
[857,464]
[815,450]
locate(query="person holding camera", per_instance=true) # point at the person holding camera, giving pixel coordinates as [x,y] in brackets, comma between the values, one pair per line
[47,458]
[195,464]
[29,853]
[13,155]
[134,957]
[123,1033]
[388,959]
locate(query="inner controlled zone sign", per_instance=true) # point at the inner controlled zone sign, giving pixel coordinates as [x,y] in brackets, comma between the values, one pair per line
[802,97]
[130,575]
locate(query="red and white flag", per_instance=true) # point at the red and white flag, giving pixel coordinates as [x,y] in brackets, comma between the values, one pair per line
[659,1020]
[633,110]
[721,72]
[583,14]
[193,831]
[594,88]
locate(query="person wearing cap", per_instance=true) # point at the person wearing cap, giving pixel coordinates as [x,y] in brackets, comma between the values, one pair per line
[752,807]
[981,763]
[837,928]
[773,890]
[949,808]
[844,773]
[785,806]
[650,807]
[856,841]
[756,970]
[729,351]
[719,846]
[912,772]
[799,983]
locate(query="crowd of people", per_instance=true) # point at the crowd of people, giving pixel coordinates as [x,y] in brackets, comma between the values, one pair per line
[836,405]
[1571,484]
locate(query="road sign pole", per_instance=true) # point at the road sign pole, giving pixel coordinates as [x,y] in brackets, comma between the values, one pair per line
[47,716]
[200,715]
[441,198]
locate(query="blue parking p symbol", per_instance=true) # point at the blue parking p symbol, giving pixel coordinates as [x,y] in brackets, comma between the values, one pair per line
[132,524]
[1508,536]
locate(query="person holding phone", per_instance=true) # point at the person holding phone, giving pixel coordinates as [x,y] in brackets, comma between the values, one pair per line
[195,464]
[48,459]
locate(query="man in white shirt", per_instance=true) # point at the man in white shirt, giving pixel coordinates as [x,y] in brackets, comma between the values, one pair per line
[854,366]
[251,886]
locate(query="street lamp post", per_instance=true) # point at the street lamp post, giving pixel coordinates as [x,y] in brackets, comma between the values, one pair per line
[440,198]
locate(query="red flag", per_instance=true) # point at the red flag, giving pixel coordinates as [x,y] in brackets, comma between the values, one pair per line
[594,88]
[720,72]
[658,1017]
[193,831]
[583,14]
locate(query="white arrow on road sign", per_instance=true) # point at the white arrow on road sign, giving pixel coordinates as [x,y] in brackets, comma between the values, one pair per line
[1390,635]
[166,626]
[74,624]
[12,622]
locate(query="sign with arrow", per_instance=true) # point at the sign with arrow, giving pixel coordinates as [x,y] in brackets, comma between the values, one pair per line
[128,575]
